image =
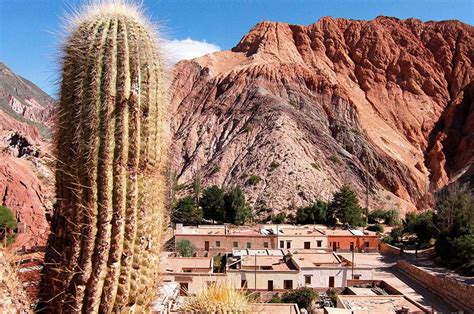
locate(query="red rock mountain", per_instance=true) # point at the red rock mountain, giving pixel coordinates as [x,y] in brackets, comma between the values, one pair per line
[26,180]
[293,112]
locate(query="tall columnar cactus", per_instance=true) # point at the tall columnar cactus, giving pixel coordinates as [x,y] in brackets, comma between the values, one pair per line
[106,228]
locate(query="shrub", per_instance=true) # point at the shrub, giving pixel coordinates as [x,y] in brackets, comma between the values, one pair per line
[314,214]
[274,165]
[215,170]
[8,224]
[253,180]
[303,296]
[376,228]
[279,218]
[389,217]
[335,159]
[185,248]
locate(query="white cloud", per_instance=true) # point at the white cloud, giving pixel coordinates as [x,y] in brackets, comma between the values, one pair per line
[185,49]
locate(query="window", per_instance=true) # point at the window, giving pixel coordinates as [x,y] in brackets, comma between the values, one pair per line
[249,245]
[235,244]
[206,245]
[352,246]
[282,244]
[366,244]
[319,243]
[243,283]
[356,277]
[187,270]
[218,243]
[288,244]
[265,245]
[307,279]
[307,245]
[287,284]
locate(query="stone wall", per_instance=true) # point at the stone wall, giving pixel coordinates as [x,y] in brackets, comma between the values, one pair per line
[388,249]
[456,293]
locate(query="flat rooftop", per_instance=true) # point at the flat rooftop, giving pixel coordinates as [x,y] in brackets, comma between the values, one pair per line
[177,264]
[303,260]
[377,304]
[265,263]
[245,252]
[276,308]
[349,232]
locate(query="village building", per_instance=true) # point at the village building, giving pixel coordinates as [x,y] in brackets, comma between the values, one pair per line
[347,240]
[190,273]
[302,237]
[210,240]
[323,270]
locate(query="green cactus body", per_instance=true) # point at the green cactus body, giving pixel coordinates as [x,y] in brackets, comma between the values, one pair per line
[106,229]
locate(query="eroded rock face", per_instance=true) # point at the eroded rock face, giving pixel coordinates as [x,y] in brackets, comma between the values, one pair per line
[26,178]
[340,101]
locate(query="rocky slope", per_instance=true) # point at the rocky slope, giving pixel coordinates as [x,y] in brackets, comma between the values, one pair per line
[293,112]
[26,180]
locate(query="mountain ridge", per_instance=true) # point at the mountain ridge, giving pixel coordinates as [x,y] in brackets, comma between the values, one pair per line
[342,72]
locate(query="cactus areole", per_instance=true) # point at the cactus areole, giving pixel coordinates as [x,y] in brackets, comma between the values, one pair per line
[106,228]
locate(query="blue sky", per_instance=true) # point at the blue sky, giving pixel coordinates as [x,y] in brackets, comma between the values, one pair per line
[29,43]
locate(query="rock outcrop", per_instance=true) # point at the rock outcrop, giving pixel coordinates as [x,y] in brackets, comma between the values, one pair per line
[26,179]
[302,110]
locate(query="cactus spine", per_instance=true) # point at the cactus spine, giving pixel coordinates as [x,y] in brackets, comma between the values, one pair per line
[106,228]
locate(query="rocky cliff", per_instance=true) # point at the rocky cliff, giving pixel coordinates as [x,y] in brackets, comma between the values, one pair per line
[26,179]
[293,112]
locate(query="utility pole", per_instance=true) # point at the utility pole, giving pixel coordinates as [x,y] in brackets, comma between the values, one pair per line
[367,180]
[255,285]
[352,262]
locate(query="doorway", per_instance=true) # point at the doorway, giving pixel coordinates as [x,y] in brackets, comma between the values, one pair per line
[270,285]
[206,246]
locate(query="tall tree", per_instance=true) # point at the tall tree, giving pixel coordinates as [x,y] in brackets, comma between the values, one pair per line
[186,211]
[345,206]
[197,184]
[212,204]
[234,203]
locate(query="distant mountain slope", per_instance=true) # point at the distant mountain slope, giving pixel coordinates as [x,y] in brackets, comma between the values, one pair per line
[24,101]
[293,112]
[26,179]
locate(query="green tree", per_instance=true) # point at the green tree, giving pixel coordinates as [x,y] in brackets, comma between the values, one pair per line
[234,204]
[8,224]
[279,218]
[197,184]
[345,206]
[421,225]
[186,211]
[185,248]
[303,296]
[314,214]
[212,204]
[454,220]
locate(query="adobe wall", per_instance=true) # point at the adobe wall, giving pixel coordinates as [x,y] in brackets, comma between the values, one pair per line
[388,249]
[456,293]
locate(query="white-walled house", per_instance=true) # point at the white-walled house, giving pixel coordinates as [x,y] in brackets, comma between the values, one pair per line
[325,270]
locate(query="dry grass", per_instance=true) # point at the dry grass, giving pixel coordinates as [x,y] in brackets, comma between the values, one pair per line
[13,298]
[219,298]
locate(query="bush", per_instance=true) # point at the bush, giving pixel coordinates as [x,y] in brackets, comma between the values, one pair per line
[8,224]
[314,214]
[303,296]
[274,165]
[253,180]
[388,217]
[279,218]
[185,248]
[376,228]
